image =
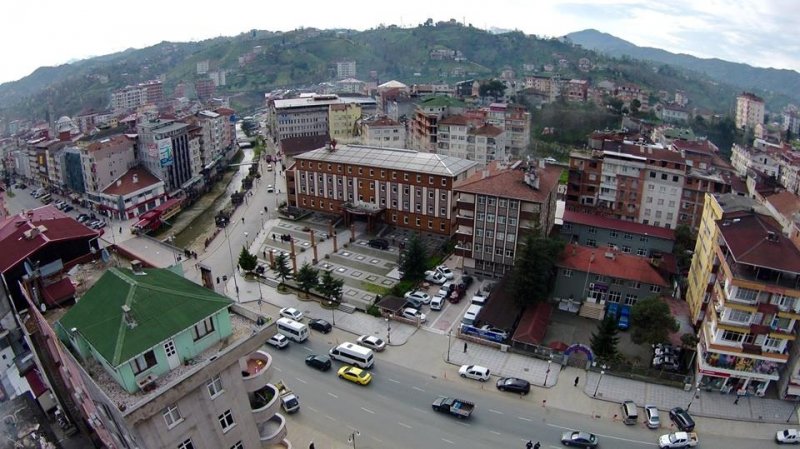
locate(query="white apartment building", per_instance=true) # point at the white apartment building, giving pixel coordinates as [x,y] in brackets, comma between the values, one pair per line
[345,69]
[662,188]
[131,97]
[106,160]
[749,111]
[515,120]
[383,132]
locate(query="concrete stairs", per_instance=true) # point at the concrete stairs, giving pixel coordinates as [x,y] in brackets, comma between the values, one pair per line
[592,310]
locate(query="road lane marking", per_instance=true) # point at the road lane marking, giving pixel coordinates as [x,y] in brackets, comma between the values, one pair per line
[524,419]
[278,369]
[417,409]
[404,425]
[648,443]
[495,411]
[495,432]
[331,418]
[377,439]
[447,441]
[308,349]
[418,389]
[352,428]
[300,380]
[312,408]
[368,410]
[333,395]
[395,381]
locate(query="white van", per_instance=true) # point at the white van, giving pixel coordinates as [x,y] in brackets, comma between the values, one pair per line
[292,329]
[471,314]
[353,354]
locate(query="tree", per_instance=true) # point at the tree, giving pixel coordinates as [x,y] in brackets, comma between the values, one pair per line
[413,260]
[635,105]
[532,276]
[604,341]
[689,340]
[330,287]
[652,321]
[282,267]
[247,261]
[684,245]
[307,278]
[493,88]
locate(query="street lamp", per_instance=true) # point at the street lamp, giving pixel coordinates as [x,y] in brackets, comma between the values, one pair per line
[694,395]
[547,373]
[449,335]
[333,315]
[262,219]
[233,267]
[352,438]
[602,371]
[389,330]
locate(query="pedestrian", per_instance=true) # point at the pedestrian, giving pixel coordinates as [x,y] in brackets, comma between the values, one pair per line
[273,237]
[529,445]
[537,445]
[736,401]
[120,229]
[465,346]
[577,379]
[242,219]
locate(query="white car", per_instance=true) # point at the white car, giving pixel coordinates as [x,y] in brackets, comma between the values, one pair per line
[270,188]
[419,296]
[787,436]
[279,341]
[414,314]
[437,302]
[446,272]
[372,342]
[476,372]
[445,288]
[291,313]
[434,277]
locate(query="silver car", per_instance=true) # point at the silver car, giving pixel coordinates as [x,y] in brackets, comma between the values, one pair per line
[651,417]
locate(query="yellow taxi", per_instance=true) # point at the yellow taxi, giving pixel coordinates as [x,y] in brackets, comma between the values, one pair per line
[354,374]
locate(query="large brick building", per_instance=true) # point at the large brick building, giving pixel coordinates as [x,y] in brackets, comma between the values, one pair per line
[401,187]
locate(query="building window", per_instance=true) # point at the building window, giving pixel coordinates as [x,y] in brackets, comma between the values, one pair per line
[630,299]
[641,252]
[627,236]
[510,237]
[186,444]
[739,316]
[430,179]
[144,362]
[214,386]
[205,327]
[591,242]
[613,233]
[444,182]
[502,203]
[405,176]
[479,232]
[614,296]
[405,220]
[567,273]
[481,200]
[592,230]
[443,211]
[746,294]
[419,178]
[512,221]
[732,336]
[418,222]
[172,416]
[238,445]
[226,420]
[490,218]
[626,249]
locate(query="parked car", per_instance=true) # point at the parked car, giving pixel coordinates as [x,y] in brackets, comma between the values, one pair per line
[651,417]
[371,342]
[379,243]
[612,310]
[68,208]
[355,375]
[446,288]
[514,385]
[495,330]
[279,341]
[270,188]
[434,276]
[320,362]
[467,280]
[787,436]
[82,217]
[445,271]
[413,302]
[437,302]
[624,318]
[421,296]
[477,372]
[414,314]
[291,313]
[579,439]
[682,419]
[320,325]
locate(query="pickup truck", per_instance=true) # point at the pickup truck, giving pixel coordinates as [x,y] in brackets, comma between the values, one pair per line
[677,440]
[289,401]
[458,407]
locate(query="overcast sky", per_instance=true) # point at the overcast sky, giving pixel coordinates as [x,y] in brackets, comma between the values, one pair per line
[38,33]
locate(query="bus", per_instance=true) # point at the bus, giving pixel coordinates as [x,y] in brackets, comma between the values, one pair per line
[292,329]
[353,354]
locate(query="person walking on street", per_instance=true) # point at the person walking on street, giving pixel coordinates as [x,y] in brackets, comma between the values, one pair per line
[529,445]
[465,346]
[577,379]
[537,445]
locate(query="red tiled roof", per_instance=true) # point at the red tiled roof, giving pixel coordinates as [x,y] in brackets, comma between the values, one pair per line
[785,202]
[487,130]
[620,225]
[621,266]
[125,185]
[119,140]
[697,146]
[532,326]
[457,119]
[225,111]
[746,237]
[509,183]
[16,247]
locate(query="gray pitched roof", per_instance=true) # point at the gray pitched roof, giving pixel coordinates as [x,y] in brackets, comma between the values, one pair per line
[391,158]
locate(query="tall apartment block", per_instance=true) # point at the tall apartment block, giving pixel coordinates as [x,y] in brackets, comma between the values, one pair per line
[131,97]
[744,296]
[749,110]
[165,152]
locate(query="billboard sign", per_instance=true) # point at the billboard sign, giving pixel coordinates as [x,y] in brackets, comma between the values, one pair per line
[165,152]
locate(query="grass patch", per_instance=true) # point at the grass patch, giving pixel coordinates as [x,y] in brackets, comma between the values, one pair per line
[377,289]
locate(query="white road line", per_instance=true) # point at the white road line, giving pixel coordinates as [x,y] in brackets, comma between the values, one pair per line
[404,425]
[300,380]
[608,436]
[312,408]
[447,441]
[368,410]
[392,380]
[377,439]
[308,349]
[333,395]
[524,419]
[351,428]
[495,432]
[495,411]
[417,409]
[330,417]
[418,389]
[278,369]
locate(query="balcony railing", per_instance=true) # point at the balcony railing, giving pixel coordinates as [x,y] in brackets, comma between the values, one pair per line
[273,431]
[762,275]
[256,370]
[264,403]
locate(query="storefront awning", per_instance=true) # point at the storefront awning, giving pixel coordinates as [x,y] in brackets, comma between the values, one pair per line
[793,390]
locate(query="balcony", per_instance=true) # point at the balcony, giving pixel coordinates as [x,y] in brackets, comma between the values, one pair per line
[264,403]
[465,221]
[465,205]
[256,370]
[273,431]
[762,275]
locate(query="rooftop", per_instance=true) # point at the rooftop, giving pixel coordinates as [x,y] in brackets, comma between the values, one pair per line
[320,100]
[632,227]
[161,303]
[117,141]
[506,182]
[382,121]
[785,202]
[619,265]
[441,101]
[487,130]
[390,158]
[135,179]
[756,239]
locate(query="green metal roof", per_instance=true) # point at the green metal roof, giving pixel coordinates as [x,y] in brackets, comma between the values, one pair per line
[161,303]
[442,100]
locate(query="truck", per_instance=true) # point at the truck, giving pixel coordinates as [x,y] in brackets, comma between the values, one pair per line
[289,401]
[677,440]
[457,407]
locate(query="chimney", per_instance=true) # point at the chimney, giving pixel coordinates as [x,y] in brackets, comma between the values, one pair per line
[484,174]
[136,267]
[119,182]
[128,316]
[135,179]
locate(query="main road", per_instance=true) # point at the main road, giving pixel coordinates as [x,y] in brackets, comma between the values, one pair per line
[394,411]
